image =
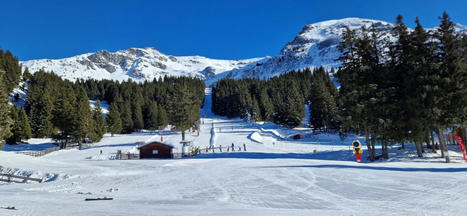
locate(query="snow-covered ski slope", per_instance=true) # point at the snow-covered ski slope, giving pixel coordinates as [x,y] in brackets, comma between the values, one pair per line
[275,177]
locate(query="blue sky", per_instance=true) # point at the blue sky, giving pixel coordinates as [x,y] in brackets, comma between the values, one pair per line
[216,29]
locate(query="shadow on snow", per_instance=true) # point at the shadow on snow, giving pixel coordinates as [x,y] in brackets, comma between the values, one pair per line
[400,169]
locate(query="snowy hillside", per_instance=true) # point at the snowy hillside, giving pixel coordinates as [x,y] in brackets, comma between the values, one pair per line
[136,63]
[314,46]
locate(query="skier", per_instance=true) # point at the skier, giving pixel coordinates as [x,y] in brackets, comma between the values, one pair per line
[233,147]
[244,147]
[207,149]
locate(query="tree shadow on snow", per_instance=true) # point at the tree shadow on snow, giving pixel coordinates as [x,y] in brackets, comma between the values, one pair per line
[335,155]
[110,145]
[342,155]
[254,155]
[400,169]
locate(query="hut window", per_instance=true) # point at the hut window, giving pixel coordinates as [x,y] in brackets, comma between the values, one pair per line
[155,152]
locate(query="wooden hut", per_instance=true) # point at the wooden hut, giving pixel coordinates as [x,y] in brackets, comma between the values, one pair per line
[156,150]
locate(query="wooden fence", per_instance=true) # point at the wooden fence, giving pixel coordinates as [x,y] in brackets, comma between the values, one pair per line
[38,153]
[52,149]
[14,178]
[126,156]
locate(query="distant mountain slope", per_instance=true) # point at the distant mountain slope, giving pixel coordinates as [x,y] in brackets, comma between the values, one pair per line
[314,46]
[136,63]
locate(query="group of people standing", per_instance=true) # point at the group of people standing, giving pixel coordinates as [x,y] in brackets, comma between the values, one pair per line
[229,148]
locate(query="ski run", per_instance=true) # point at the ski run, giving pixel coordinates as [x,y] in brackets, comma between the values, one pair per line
[316,175]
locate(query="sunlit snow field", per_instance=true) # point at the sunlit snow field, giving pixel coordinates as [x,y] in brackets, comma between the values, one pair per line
[275,176]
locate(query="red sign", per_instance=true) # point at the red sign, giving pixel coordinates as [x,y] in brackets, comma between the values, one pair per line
[461,144]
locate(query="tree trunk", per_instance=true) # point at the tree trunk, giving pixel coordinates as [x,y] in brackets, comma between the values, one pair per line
[422,147]
[183,135]
[418,146]
[442,144]
[403,145]
[446,142]
[433,147]
[462,132]
[370,154]
[373,147]
[384,145]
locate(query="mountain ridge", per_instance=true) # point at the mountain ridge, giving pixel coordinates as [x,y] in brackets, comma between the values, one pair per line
[315,45]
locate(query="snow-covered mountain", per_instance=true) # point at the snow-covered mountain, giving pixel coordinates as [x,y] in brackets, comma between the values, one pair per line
[314,46]
[136,63]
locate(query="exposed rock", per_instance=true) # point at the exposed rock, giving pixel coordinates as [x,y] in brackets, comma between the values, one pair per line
[208,71]
[172,58]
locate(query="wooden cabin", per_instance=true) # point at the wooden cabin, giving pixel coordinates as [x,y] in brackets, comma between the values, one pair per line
[156,150]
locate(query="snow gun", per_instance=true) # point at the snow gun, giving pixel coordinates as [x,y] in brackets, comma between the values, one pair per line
[357,150]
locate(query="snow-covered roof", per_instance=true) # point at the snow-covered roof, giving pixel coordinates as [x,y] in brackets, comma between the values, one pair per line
[154,141]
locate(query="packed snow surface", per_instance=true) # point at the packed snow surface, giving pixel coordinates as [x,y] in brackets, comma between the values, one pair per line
[277,176]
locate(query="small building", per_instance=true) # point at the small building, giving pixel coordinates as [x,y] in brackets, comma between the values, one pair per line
[156,150]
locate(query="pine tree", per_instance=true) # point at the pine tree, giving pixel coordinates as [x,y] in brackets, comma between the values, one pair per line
[420,92]
[323,108]
[126,114]
[183,109]
[289,105]
[5,119]
[137,113]
[39,108]
[114,121]
[98,123]
[255,111]
[359,84]
[82,121]
[64,113]
[450,76]
[266,106]
[21,128]
[11,68]
[26,74]
[151,115]
[162,119]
